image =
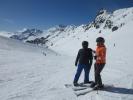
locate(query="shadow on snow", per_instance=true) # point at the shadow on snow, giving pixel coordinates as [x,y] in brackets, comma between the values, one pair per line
[119,90]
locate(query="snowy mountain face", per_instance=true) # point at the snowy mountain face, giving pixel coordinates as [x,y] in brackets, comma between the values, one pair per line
[104,25]
[52,33]
[113,21]
[37,36]
[55,37]
[26,34]
[105,22]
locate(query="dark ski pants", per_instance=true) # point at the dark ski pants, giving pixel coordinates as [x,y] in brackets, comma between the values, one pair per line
[98,69]
[86,68]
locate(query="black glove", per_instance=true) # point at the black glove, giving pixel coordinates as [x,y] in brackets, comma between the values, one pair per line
[93,51]
[95,57]
[76,64]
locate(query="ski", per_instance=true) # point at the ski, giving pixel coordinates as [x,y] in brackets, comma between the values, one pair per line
[84,89]
[76,88]
[83,92]
[88,90]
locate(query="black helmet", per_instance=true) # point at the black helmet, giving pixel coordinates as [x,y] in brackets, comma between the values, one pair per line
[100,39]
[85,44]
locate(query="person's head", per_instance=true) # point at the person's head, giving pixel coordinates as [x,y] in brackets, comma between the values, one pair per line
[100,41]
[85,44]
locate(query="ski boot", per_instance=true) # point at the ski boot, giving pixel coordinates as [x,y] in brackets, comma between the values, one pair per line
[98,87]
[92,85]
[76,84]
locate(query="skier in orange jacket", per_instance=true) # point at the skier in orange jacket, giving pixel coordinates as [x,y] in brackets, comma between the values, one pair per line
[100,57]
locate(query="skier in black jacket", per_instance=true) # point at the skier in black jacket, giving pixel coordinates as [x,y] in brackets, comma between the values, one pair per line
[84,60]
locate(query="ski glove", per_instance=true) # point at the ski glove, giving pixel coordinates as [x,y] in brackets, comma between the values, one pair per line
[95,57]
[76,64]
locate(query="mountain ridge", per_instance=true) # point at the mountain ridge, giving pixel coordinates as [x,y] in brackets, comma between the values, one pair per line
[104,23]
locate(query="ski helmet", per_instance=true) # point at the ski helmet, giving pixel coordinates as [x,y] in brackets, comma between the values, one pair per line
[100,39]
[85,44]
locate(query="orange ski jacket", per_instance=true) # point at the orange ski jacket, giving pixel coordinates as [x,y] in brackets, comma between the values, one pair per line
[101,54]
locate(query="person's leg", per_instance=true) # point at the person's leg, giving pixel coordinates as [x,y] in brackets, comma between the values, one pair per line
[98,69]
[77,75]
[96,73]
[95,76]
[86,75]
[101,66]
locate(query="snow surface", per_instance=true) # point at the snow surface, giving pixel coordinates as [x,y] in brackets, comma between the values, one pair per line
[6,34]
[29,72]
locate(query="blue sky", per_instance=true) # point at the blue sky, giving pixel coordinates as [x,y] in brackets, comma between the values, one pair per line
[43,14]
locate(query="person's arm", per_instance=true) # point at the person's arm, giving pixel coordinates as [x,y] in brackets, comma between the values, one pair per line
[103,53]
[91,57]
[94,54]
[77,58]
[91,61]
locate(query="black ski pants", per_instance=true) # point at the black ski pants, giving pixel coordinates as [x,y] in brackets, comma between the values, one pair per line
[98,68]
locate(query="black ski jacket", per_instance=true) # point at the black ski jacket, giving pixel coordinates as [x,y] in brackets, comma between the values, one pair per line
[84,56]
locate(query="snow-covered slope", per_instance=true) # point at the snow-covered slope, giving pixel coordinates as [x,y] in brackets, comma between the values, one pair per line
[29,72]
[118,70]
[6,34]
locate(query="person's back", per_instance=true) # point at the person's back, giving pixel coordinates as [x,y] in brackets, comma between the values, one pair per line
[84,56]
[84,61]
[101,54]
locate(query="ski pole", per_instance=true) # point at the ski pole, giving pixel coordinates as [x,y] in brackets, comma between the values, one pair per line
[97,91]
